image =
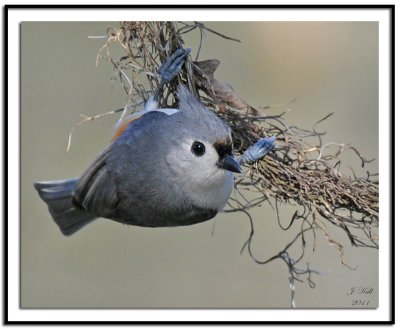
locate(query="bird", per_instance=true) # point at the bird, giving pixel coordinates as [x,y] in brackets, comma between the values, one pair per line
[164,168]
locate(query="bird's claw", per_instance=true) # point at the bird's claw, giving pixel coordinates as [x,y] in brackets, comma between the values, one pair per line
[173,65]
[258,150]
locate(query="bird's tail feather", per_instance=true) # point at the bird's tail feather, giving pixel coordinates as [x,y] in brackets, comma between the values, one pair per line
[58,197]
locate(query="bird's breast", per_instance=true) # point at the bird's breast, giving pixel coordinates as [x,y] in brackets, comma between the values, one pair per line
[214,194]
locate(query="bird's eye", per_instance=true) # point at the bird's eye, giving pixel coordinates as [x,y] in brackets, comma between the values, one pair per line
[198,149]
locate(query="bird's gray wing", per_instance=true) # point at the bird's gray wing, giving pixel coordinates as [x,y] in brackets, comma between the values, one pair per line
[99,188]
[96,190]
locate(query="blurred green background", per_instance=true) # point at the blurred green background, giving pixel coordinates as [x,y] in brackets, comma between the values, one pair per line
[326,66]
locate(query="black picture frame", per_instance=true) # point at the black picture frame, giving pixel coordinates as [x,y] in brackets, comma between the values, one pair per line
[6,11]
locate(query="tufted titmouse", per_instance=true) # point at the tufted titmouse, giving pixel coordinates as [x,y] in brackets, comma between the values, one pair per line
[166,168]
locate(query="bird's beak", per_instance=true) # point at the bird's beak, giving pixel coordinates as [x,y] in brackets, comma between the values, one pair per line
[230,164]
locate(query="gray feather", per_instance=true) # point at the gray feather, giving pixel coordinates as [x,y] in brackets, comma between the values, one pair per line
[199,120]
[58,196]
